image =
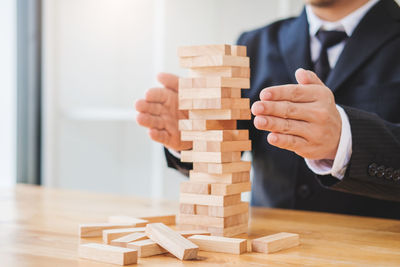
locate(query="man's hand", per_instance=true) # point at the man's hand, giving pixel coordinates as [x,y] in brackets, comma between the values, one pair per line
[159,112]
[301,117]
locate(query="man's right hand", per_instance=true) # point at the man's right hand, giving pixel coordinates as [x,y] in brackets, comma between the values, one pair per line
[159,112]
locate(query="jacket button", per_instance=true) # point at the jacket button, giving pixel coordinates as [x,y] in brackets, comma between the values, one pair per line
[372,169]
[389,173]
[396,175]
[380,171]
[303,191]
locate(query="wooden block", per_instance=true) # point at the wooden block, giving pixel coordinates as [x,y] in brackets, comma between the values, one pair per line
[238,50]
[210,221]
[220,114]
[187,208]
[173,242]
[225,178]
[124,240]
[220,168]
[214,103]
[215,211]
[112,234]
[216,157]
[220,244]
[214,82]
[209,199]
[108,254]
[230,189]
[202,209]
[188,233]
[214,61]
[238,72]
[215,135]
[229,231]
[204,50]
[203,125]
[96,229]
[165,219]
[195,188]
[225,146]
[127,219]
[182,227]
[205,93]
[146,248]
[274,243]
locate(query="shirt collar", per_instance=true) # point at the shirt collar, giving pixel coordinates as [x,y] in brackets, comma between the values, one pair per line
[347,24]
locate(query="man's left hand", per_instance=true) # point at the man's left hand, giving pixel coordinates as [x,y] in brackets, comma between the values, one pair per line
[301,117]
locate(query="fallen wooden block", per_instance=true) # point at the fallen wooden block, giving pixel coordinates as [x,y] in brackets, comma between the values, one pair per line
[230,189]
[220,244]
[108,254]
[216,157]
[214,103]
[188,233]
[221,146]
[195,188]
[201,50]
[205,93]
[127,219]
[226,178]
[215,135]
[96,229]
[173,242]
[146,248]
[214,61]
[214,82]
[274,243]
[238,72]
[202,125]
[217,222]
[220,168]
[124,240]
[109,235]
[210,199]
[229,231]
[165,219]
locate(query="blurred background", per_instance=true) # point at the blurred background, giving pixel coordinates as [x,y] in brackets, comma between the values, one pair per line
[70,71]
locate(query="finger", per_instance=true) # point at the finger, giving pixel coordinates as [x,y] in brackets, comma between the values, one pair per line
[158,95]
[148,107]
[284,126]
[160,136]
[290,92]
[168,80]
[307,77]
[150,121]
[287,141]
[283,109]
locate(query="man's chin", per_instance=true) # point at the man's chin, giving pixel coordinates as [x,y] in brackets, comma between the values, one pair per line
[321,3]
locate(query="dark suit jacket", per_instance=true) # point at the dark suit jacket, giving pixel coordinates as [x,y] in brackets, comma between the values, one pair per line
[366,83]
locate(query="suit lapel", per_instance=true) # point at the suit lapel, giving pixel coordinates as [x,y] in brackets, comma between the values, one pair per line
[378,26]
[294,44]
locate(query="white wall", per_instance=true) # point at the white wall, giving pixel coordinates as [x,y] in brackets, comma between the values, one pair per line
[7,91]
[101,55]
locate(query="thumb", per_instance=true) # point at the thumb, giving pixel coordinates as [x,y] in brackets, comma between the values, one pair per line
[168,80]
[307,77]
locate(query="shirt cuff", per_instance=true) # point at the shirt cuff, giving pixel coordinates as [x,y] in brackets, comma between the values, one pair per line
[337,167]
[175,153]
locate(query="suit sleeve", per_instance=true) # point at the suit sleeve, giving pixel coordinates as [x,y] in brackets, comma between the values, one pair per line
[374,167]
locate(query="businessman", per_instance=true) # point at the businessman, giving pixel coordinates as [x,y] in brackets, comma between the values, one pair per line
[323,140]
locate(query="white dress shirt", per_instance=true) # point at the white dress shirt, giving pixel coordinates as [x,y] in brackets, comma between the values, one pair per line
[348,24]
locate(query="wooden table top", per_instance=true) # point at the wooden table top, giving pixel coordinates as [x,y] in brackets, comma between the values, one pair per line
[39,227]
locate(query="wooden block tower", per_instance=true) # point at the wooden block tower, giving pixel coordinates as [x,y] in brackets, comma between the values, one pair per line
[211,199]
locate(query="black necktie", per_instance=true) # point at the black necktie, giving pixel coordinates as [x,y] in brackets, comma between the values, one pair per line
[327,40]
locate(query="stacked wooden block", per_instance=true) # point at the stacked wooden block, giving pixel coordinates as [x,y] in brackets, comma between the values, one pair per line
[211,199]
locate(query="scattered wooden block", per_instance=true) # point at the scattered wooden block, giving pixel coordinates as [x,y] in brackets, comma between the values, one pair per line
[112,234]
[238,50]
[124,240]
[209,199]
[220,244]
[127,219]
[217,157]
[225,178]
[201,50]
[195,188]
[146,248]
[214,103]
[96,229]
[230,189]
[209,221]
[214,61]
[203,125]
[220,168]
[205,93]
[220,114]
[214,82]
[108,254]
[165,219]
[215,135]
[229,231]
[173,242]
[238,72]
[221,146]
[188,233]
[274,243]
